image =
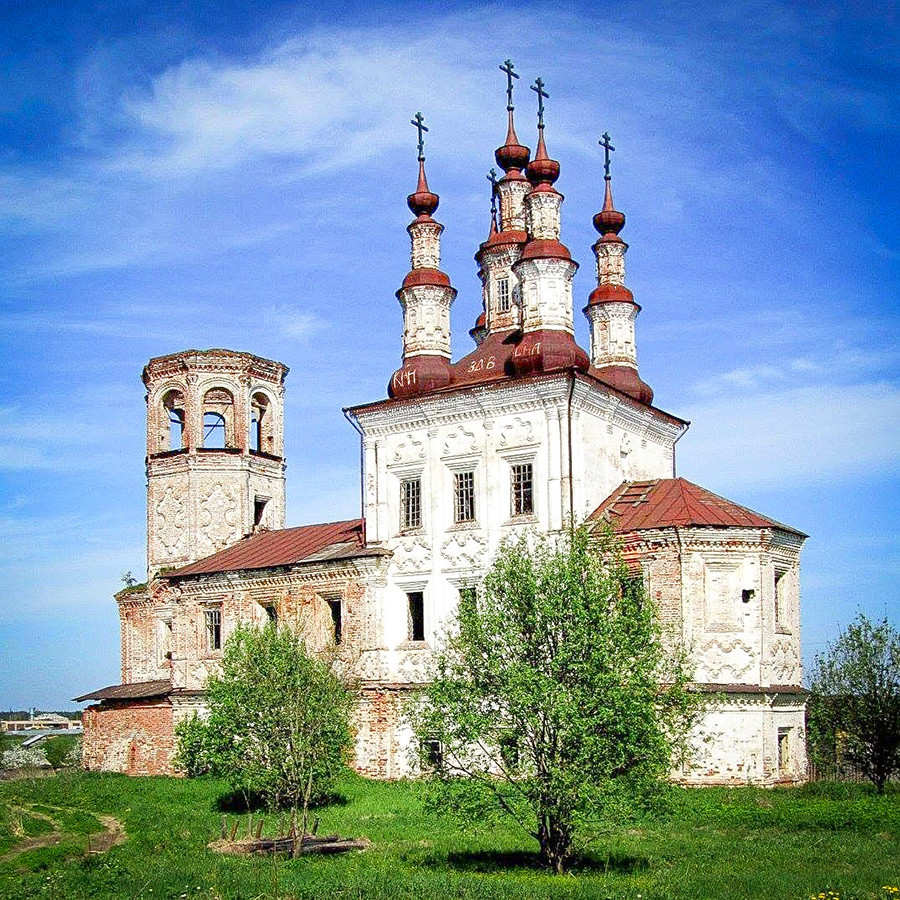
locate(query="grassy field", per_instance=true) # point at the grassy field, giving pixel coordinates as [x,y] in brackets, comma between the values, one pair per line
[720,843]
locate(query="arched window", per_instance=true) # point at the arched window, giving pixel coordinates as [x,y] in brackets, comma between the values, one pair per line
[261,433]
[218,419]
[171,435]
[213,430]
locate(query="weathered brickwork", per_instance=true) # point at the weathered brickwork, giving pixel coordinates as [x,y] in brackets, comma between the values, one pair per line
[136,737]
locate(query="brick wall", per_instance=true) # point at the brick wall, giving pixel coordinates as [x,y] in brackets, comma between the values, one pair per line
[136,738]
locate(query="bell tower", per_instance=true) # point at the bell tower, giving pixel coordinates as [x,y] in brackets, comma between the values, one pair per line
[215,452]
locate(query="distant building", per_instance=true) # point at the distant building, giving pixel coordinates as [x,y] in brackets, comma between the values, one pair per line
[526,431]
[43,722]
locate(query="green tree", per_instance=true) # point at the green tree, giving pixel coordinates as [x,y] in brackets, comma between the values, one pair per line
[279,721]
[553,700]
[854,708]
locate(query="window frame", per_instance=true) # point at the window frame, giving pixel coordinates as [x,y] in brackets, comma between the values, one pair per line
[515,495]
[464,503]
[212,621]
[409,522]
[504,294]
[415,596]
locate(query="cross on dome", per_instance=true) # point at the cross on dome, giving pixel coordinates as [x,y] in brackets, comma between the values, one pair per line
[607,147]
[419,122]
[508,67]
[538,88]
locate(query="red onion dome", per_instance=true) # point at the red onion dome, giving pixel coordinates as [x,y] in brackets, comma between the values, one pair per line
[419,375]
[479,331]
[422,202]
[548,351]
[610,293]
[512,155]
[626,380]
[542,169]
[432,277]
[609,221]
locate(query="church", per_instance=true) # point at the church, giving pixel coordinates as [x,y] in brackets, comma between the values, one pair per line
[526,431]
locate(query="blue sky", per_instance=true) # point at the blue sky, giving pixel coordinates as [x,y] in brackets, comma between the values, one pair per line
[199,174]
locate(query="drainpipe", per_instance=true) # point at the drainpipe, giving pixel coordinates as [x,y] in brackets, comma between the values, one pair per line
[571,470]
[362,477]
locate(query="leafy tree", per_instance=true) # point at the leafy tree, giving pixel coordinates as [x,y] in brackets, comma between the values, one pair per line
[553,700]
[278,722]
[854,708]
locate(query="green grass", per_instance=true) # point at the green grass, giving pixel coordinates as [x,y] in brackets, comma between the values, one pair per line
[719,843]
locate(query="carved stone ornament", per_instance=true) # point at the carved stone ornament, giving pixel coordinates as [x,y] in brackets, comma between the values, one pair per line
[464,551]
[460,441]
[626,446]
[412,555]
[785,662]
[220,514]
[517,433]
[170,523]
[733,657]
[409,450]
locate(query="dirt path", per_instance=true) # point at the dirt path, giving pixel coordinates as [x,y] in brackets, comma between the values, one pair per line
[99,842]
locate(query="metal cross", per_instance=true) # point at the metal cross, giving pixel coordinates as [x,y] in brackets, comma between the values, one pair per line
[419,122]
[607,146]
[492,178]
[538,88]
[510,74]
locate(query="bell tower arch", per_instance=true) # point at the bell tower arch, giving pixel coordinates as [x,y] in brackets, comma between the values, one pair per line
[215,452]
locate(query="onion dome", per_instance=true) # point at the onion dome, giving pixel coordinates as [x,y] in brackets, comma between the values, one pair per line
[542,170]
[512,156]
[479,332]
[548,351]
[422,202]
[609,221]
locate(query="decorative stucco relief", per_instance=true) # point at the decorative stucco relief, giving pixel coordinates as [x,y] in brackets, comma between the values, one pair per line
[170,524]
[412,555]
[785,662]
[409,450]
[733,659]
[460,441]
[464,551]
[220,515]
[517,433]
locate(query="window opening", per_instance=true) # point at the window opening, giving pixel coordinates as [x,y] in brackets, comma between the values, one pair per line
[433,753]
[259,509]
[255,429]
[509,749]
[176,429]
[464,496]
[415,602]
[272,612]
[214,629]
[468,599]
[633,589]
[784,749]
[780,611]
[334,605]
[747,595]
[503,295]
[214,430]
[411,503]
[522,489]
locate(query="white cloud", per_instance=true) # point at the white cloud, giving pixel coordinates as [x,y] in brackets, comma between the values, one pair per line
[793,436]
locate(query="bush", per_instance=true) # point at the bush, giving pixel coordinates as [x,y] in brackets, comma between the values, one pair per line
[63,751]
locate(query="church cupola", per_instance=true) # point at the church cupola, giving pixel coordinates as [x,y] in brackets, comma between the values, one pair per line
[611,310]
[512,157]
[425,296]
[545,270]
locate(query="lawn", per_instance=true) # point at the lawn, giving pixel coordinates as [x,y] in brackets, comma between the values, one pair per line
[719,843]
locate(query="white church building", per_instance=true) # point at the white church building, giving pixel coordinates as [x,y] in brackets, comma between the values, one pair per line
[527,431]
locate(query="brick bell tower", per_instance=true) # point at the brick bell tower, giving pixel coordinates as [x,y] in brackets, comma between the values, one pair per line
[215,452]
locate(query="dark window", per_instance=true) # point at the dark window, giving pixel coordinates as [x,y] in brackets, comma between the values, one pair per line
[213,430]
[509,749]
[272,612]
[410,503]
[522,489]
[468,599]
[336,622]
[176,429]
[433,753]
[214,629]
[780,604]
[416,616]
[464,496]
[747,595]
[633,589]
[259,507]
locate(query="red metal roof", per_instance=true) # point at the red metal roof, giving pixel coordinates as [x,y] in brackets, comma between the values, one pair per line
[333,540]
[673,502]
